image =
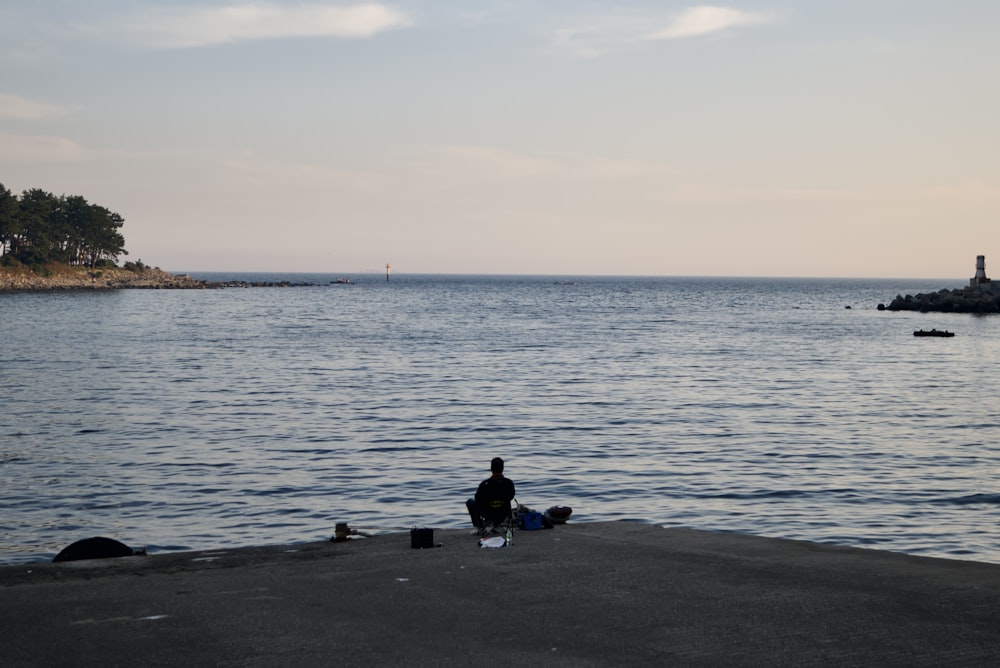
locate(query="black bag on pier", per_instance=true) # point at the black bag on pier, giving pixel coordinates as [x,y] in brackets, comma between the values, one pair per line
[421,538]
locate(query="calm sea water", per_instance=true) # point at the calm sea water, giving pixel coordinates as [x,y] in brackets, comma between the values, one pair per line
[201,419]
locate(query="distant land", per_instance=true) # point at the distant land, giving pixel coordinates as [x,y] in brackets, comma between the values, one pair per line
[55,276]
[50,242]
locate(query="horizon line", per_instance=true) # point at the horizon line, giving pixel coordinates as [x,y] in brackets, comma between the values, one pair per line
[396,274]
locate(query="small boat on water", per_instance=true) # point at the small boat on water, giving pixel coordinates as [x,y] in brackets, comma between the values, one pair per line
[343,281]
[933,332]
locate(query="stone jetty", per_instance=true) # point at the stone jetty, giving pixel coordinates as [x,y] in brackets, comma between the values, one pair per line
[980,296]
[964,300]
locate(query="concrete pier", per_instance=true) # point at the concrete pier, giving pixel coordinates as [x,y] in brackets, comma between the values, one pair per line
[598,594]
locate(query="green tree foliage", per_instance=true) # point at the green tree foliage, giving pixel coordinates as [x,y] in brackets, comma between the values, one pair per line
[39,227]
[8,219]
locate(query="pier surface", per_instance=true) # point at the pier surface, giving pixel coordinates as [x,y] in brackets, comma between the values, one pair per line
[594,594]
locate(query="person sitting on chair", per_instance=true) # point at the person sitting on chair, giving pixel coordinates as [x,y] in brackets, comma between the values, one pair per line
[492,502]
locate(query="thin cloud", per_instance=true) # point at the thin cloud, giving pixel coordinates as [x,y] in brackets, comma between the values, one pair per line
[16,108]
[455,168]
[599,35]
[191,28]
[18,149]
[706,20]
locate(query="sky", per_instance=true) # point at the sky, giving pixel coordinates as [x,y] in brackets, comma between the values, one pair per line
[820,138]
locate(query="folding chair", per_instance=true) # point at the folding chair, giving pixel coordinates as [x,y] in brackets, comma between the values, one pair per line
[499,516]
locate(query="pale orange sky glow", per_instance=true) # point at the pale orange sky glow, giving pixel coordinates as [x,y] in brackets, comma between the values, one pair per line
[827,138]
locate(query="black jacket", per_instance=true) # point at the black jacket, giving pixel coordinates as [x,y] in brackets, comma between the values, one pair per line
[494,496]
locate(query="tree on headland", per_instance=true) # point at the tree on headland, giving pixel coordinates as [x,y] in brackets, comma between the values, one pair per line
[8,218]
[39,227]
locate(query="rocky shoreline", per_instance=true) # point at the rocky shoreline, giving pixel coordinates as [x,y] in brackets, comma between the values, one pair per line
[94,279]
[965,300]
[148,278]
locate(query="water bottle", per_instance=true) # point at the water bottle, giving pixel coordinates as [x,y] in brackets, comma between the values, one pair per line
[510,537]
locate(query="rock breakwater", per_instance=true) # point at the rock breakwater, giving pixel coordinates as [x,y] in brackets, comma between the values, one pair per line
[965,300]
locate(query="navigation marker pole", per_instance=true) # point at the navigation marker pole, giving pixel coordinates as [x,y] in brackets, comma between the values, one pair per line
[388,270]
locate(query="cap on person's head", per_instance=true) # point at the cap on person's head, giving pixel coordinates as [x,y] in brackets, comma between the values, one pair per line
[496,466]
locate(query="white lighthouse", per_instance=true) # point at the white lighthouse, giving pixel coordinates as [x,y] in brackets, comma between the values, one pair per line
[979,280]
